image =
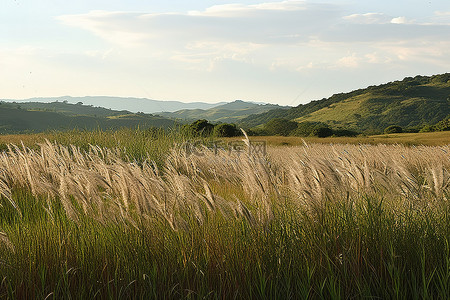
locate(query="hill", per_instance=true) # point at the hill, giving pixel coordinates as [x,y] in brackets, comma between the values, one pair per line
[66,108]
[120,103]
[408,103]
[231,112]
[15,118]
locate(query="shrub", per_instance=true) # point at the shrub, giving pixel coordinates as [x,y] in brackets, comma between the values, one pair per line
[322,131]
[305,128]
[226,130]
[443,125]
[427,128]
[200,127]
[393,129]
[280,126]
[344,132]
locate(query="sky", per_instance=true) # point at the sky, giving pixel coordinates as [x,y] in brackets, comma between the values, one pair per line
[283,52]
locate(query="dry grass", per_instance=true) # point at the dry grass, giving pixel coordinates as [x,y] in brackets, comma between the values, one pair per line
[407,176]
[310,221]
[426,138]
[112,139]
[102,185]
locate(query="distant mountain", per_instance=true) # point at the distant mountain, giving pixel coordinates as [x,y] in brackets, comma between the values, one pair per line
[411,102]
[130,104]
[227,113]
[38,117]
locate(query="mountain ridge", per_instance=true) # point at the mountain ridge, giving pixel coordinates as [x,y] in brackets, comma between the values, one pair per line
[230,112]
[131,104]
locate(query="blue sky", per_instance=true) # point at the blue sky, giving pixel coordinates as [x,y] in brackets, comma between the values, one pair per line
[285,52]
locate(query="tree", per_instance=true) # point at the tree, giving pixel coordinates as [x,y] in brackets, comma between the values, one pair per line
[427,128]
[443,125]
[200,127]
[344,132]
[305,128]
[393,129]
[322,131]
[280,126]
[226,130]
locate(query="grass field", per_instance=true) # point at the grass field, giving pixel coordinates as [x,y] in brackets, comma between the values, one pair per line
[111,138]
[426,138]
[132,214]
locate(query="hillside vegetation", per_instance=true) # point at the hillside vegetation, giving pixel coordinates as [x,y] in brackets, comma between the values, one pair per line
[412,102]
[231,112]
[66,108]
[38,117]
[135,105]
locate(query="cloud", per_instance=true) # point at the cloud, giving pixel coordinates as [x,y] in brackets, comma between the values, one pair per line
[232,10]
[286,23]
[399,20]
[351,61]
[442,13]
[375,18]
[284,37]
[442,17]
[268,23]
[368,18]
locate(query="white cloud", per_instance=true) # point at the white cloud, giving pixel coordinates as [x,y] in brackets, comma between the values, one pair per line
[376,58]
[442,17]
[432,53]
[232,10]
[399,20]
[442,13]
[351,61]
[375,18]
[368,18]
[268,23]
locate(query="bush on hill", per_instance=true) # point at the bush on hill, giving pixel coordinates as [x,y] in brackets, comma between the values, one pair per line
[393,129]
[319,129]
[226,130]
[344,132]
[280,126]
[322,131]
[199,127]
[306,128]
[443,125]
[204,128]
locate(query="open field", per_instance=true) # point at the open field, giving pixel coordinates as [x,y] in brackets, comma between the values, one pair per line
[141,217]
[147,139]
[426,138]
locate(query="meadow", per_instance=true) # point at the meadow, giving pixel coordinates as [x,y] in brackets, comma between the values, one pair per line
[133,214]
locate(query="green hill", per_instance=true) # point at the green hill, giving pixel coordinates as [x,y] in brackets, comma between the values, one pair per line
[135,105]
[15,118]
[227,113]
[408,103]
[66,108]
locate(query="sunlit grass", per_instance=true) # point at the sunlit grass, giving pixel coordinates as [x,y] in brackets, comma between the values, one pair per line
[424,138]
[134,144]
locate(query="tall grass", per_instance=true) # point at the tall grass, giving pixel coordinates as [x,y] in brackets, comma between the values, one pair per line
[134,144]
[315,221]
